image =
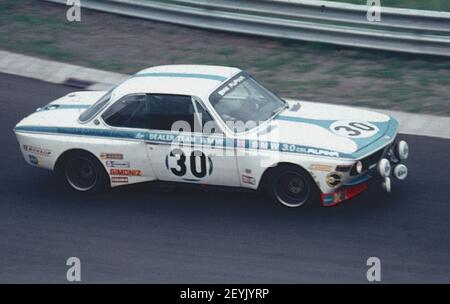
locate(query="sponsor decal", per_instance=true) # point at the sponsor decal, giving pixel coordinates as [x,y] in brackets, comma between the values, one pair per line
[338,196]
[119,179]
[37,150]
[248,180]
[33,160]
[111,156]
[319,167]
[231,85]
[305,150]
[343,168]
[126,172]
[331,199]
[117,164]
[333,179]
[140,135]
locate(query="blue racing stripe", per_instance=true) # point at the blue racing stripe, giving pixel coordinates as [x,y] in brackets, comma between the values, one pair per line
[388,130]
[62,107]
[212,141]
[183,75]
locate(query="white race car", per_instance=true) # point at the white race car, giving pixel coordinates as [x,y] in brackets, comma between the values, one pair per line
[212,125]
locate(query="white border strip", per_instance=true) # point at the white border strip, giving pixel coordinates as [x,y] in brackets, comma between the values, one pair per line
[58,72]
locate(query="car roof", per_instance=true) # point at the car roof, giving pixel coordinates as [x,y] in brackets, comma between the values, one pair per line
[194,80]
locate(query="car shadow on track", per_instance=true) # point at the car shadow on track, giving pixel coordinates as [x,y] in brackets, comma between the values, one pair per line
[211,201]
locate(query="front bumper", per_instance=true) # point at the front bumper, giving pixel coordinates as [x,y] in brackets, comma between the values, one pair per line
[342,194]
[358,184]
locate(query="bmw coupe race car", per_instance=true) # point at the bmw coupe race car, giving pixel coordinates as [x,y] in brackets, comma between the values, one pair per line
[213,125]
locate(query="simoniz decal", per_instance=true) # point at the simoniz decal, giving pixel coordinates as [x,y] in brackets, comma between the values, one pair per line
[125,172]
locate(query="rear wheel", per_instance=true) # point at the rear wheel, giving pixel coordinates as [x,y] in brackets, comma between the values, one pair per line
[293,187]
[84,173]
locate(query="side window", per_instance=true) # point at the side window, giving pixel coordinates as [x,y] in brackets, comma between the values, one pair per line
[157,112]
[165,110]
[128,112]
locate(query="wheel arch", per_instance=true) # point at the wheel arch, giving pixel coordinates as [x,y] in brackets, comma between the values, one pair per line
[63,157]
[266,173]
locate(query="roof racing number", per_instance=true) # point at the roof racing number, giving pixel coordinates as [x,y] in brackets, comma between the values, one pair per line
[354,129]
[198,164]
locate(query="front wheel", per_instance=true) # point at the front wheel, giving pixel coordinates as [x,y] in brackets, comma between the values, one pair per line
[293,187]
[84,173]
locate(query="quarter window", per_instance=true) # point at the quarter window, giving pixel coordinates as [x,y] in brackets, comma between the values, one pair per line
[127,112]
[95,108]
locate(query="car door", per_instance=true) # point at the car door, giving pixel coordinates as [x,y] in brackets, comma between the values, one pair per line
[178,148]
[125,155]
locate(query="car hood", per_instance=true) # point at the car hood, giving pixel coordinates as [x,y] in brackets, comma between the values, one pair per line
[331,130]
[63,111]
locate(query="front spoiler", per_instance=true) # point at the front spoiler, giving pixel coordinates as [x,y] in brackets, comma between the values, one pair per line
[342,194]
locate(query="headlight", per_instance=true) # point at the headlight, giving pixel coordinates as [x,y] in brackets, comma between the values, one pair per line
[386,184]
[384,167]
[402,150]
[359,167]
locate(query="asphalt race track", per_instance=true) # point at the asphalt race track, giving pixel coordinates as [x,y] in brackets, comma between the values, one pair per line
[141,234]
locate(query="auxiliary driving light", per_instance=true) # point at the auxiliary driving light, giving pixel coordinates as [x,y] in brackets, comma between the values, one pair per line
[386,184]
[384,167]
[359,167]
[402,150]
[400,172]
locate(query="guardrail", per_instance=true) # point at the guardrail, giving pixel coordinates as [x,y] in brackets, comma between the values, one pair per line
[402,30]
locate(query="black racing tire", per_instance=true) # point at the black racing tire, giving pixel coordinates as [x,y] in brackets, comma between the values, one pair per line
[84,173]
[291,186]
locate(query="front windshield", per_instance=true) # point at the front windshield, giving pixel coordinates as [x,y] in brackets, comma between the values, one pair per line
[244,99]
